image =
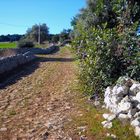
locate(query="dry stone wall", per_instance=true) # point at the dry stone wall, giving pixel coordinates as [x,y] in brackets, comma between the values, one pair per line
[11,62]
[22,56]
[123,100]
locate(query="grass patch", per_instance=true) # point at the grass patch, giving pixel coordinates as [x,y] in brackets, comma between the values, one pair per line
[123,130]
[4,45]
[63,49]
[92,117]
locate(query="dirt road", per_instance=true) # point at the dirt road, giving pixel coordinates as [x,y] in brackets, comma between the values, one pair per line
[37,104]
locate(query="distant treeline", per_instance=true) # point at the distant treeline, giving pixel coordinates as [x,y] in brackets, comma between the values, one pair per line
[32,35]
[10,38]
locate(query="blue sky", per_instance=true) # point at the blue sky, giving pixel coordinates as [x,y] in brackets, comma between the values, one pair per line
[18,15]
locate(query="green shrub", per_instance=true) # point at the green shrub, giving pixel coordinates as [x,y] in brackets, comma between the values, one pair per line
[106,43]
[105,55]
[25,44]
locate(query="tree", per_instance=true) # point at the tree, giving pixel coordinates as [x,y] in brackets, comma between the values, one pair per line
[25,44]
[64,35]
[55,38]
[106,43]
[10,38]
[36,31]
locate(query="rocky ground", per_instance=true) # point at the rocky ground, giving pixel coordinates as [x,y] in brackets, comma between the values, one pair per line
[41,102]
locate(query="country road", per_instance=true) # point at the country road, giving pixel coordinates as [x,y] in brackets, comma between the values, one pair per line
[43,101]
[38,104]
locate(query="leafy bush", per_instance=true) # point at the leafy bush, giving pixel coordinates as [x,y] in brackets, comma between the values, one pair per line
[25,44]
[105,55]
[106,52]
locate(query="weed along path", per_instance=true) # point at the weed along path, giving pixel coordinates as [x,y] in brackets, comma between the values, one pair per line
[44,103]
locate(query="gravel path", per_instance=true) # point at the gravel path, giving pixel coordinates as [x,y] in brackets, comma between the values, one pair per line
[40,102]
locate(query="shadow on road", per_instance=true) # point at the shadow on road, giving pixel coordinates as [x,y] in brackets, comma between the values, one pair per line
[13,76]
[57,49]
[44,59]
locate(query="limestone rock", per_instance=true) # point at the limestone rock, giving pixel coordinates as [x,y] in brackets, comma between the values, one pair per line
[138,106]
[122,90]
[124,105]
[111,135]
[108,91]
[104,122]
[137,131]
[109,117]
[115,89]
[138,96]
[123,100]
[135,88]
[123,116]
[105,116]
[135,123]
[107,124]
[137,115]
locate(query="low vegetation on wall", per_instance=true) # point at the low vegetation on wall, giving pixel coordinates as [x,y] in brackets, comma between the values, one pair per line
[106,43]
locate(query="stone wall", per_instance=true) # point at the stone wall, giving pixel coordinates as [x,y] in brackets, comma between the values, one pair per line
[11,62]
[21,56]
[123,100]
[24,50]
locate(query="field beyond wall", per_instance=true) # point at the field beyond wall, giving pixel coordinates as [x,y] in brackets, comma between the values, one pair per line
[4,45]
